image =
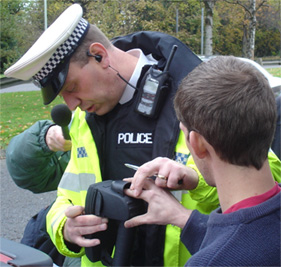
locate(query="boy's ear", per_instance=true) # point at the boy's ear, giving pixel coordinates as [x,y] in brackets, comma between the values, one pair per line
[198,144]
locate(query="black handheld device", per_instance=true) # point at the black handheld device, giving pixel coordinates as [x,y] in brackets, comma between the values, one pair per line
[107,199]
[154,88]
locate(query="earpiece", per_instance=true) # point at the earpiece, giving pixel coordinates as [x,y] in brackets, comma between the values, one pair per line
[97,57]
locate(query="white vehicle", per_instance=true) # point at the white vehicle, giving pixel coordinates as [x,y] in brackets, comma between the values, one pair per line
[274,82]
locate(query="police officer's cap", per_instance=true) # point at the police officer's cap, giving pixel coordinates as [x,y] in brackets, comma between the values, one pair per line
[47,61]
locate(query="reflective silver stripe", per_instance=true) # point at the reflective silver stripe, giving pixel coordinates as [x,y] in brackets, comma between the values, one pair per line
[178,194]
[77,182]
[55,220]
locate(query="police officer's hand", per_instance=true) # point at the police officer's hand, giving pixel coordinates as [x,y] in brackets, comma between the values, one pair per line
[169,174]
[55,140]
[78,225]
[163,207]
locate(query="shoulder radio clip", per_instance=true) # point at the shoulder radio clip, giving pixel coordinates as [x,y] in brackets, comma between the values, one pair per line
[154,88]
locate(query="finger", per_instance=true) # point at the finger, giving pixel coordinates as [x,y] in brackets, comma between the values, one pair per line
[129,179]
[60,143]
[85,242]
[74,211]
[144,194]
[170,175]
[138,183]
[142,174]
[130,193]
[87,230]
[163,175]
[89,220]
[161,180]
[174,182]
[67,145]
[136,221]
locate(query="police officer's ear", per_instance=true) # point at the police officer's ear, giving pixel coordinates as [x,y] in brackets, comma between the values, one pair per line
[99,53]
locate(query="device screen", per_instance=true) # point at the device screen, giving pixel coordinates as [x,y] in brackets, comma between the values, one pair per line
[148,96]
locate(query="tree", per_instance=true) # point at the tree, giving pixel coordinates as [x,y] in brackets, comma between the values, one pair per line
[250,22]
[209,6]
[190,24]
[22,22]
[11,13]
[127,16]
[268,34]
[227,33]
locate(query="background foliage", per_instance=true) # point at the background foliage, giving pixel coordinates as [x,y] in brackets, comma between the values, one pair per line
[22,22]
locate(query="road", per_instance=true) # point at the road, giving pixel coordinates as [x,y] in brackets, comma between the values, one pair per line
[17,205]
[26,86]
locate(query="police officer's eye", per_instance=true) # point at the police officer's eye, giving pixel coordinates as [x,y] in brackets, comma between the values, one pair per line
[69,89]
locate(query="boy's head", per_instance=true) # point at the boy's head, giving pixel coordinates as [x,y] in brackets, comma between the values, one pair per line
[230,103]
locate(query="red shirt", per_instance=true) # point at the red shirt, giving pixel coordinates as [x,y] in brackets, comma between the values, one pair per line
[253,201]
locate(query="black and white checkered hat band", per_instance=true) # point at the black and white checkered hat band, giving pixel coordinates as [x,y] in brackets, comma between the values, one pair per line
[63,50]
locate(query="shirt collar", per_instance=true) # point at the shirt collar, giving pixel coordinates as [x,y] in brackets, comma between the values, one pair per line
[143,60]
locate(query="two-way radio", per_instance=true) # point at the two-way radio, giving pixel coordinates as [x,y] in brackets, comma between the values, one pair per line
[154,88]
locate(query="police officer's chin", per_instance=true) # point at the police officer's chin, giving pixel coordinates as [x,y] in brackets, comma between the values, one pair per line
[98,110]
[102,109]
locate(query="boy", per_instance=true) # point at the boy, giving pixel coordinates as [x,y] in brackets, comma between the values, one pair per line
[227,112]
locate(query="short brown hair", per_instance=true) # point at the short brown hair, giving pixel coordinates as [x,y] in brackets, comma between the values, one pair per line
[231,104]
[93,35]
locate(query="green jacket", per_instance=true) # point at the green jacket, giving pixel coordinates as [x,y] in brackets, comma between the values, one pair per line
[31,164]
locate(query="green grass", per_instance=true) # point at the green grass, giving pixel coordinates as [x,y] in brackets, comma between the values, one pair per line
[19,110]
[275,72]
